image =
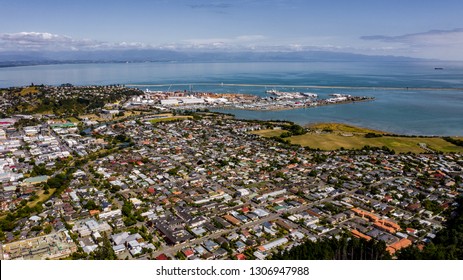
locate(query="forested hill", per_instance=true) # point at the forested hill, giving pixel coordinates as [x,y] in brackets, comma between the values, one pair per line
[333,249]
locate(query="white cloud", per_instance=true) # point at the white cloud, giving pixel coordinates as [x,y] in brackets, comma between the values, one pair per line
[37,41]
[238,42]
[429,38]
[250,38]
[32,40]
[442,44]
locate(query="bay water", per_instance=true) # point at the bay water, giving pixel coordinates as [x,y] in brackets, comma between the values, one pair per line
[410,97]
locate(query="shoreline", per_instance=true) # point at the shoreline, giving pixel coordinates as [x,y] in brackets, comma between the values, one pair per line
[270,108]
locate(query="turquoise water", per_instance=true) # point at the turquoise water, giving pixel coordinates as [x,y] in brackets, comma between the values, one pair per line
[426,112]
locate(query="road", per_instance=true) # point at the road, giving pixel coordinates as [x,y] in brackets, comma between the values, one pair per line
[172,250]
[434,222]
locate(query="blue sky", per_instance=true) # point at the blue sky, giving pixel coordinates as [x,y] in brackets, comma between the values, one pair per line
[428,29]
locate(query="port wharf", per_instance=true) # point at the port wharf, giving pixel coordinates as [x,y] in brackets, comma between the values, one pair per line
[237,101]
[281,105]
[317,103]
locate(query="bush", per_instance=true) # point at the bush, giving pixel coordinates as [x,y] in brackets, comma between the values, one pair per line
[372,135]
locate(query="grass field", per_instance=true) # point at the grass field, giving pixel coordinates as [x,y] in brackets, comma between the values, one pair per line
[104,118]
[42,197]
[351,137]
[28,90]
[343,128]
[269,132]
[128,114]
[168,119]
[333,141]
[92,117]
[73,120]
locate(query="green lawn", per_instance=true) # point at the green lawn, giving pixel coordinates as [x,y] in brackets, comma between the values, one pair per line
[343,127]
[173,118]
[442,145]
[351,137]
[269,132]
[42,197]
[73,120]
[28,90]
[333,141]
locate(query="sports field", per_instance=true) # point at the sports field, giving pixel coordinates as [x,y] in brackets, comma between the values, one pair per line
[269,132]
[334,141]
[170,118]
[332,136]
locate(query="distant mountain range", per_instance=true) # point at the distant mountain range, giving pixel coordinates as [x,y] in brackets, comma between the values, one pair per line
[22,58]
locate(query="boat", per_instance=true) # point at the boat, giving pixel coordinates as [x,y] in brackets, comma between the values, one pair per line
[272,91]
[438,68]
[309,94]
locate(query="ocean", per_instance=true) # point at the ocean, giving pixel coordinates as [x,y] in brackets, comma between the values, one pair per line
[410,97]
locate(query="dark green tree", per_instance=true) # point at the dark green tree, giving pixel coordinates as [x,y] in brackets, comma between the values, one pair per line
[105,251]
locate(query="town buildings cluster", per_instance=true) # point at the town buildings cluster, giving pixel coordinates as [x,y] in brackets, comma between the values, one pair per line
[203,187]
[207,188]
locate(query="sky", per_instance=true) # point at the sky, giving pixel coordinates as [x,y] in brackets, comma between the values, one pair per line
[415,28]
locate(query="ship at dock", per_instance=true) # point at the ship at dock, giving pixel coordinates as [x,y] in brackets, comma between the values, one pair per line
[310,94]
[291,95]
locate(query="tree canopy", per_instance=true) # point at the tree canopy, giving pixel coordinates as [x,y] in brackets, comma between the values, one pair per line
[344,248]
